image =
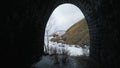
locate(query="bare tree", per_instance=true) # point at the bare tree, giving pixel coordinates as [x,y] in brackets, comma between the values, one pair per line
[48,30]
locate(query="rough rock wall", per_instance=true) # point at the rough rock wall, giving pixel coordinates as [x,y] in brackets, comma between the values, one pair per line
[23,24]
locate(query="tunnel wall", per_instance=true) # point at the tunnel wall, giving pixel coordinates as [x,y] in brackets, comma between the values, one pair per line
[23,27]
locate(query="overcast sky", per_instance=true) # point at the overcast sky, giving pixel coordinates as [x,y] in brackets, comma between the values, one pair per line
[64,16]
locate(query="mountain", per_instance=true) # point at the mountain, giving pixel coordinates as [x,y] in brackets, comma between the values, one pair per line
[77,34]
[60,32]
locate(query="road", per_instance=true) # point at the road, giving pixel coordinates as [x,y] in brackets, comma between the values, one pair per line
[48,62]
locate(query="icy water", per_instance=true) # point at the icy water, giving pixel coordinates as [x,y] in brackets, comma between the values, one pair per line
[48,62]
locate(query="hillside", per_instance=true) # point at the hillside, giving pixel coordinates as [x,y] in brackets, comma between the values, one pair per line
[77,34]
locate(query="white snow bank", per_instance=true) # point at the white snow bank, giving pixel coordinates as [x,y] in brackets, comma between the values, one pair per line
[60,48]
[75,51]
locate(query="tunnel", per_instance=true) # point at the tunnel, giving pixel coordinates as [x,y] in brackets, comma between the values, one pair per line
[23,26]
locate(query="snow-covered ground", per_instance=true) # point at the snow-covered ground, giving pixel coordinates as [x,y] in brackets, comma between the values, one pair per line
[71,50]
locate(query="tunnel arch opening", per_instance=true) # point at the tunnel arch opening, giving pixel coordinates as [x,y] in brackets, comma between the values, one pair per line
[63,18]
[67,18]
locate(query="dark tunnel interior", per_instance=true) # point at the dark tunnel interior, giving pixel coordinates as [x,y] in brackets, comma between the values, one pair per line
[23,26]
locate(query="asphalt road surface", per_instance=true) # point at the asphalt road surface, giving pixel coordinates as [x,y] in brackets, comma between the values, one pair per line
[49,62]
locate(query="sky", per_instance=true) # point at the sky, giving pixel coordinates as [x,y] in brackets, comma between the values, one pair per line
[63,17]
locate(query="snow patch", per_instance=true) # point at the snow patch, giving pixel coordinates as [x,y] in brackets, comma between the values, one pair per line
[71,50]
